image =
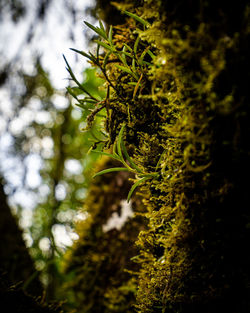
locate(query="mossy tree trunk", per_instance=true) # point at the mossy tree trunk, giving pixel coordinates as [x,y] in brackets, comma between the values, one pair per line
[192,111]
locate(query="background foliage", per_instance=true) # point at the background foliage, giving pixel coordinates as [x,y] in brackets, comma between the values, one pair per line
[44,164]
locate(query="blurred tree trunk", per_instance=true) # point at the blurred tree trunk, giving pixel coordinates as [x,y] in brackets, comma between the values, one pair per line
[16,265]
[20,289]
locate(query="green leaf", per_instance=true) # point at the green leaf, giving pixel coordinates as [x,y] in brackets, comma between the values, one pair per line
[143,55]
[133,65]
[119,149]
[123,57]
[70,91]
[89,100]
[76,81]
[104,45]
[138,19]
[127,70]
[83,54]
[128,47]
[97,30]
[113,156]
[126,53]
[94,59]
[77,91]
[132,83]
[114,149]
[113,169]
[147,63]
[81,105]
[135,186]
[105,60]
[150,53]
[119,140]
[68,66]
[136,44]
[131,162]
[110,35]
[71,72]
[101,25]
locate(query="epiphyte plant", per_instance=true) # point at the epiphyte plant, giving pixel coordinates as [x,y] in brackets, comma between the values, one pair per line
[132,62]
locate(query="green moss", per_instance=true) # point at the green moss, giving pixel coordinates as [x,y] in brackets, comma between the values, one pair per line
[189,120]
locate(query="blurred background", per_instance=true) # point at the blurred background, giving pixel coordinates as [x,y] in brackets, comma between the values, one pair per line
[44,165]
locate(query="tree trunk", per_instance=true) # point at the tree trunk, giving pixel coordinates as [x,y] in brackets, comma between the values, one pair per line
[16,265]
